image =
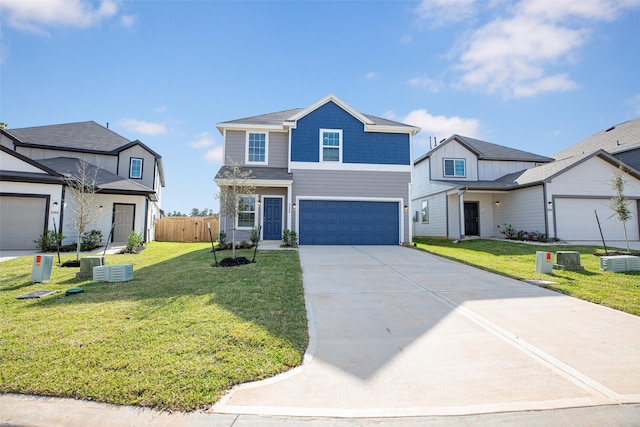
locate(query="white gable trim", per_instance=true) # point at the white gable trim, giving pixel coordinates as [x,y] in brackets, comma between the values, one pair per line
[331,97]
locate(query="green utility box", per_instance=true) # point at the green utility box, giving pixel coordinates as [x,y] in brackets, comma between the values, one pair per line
[41,268]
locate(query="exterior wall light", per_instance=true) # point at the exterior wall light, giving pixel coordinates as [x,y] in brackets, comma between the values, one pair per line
[497,203]
[294,206]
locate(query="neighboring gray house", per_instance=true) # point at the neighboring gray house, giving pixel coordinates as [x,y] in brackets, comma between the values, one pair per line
[328,172]
[35,161]
[464,187]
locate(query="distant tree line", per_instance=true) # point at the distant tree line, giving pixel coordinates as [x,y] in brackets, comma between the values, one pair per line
[194,212]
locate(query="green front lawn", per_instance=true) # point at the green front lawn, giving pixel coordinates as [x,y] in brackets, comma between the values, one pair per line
[178,336]
[518,260]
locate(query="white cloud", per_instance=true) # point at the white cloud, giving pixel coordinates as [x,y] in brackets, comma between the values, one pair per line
[517,52]
[371,75]
[440,127]
[202,140]
[128,21]
[146,128]
[34,15]
[214,155]
[443,12]
[161,109]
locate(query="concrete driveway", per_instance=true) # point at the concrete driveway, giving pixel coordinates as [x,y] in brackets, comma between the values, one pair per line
[398,332]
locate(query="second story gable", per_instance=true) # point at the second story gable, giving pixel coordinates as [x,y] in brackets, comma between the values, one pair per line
[327,135]
[92,143]
[333,134]
[461,158]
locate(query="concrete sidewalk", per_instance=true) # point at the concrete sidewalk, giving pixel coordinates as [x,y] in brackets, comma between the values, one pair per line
[401,337]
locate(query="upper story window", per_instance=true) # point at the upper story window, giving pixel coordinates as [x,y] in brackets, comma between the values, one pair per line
[246,212]
[330,145]
[135,168]
[257,146]
[455,168]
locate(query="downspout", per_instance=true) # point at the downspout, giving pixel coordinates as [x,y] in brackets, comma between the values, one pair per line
[461,212]
[545,207]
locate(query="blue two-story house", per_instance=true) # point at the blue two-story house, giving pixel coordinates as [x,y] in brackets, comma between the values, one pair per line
[328,172]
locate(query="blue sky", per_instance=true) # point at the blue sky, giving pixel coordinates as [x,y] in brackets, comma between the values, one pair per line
[535,75]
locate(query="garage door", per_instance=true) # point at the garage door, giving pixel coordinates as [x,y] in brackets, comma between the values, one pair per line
[576,221]
[329,222]
[21,221]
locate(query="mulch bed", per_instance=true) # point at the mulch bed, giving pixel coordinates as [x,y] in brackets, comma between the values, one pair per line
[232,262]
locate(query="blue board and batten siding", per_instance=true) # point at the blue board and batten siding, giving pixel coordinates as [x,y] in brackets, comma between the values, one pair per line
[358,146]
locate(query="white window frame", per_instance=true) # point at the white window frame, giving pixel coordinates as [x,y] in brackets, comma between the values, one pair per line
[424,212]
[255,212]
[131,161]
[266,148]
[340,143]
[444,168]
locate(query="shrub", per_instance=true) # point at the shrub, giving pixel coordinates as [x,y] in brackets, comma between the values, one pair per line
[255,235]
[289,238]
[48,242]
[244,245]
[90,240]
[222,241]
[134,243]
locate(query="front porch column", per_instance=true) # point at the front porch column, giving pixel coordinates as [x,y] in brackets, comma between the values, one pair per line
[289,210]
[461,212]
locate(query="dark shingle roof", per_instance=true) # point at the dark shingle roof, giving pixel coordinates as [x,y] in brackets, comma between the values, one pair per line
[260,173]
[106,181]
[82,136]
[489,151]
[278,118]
[270,119]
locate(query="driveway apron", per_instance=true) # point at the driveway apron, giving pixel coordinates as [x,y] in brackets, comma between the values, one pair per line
[399,332]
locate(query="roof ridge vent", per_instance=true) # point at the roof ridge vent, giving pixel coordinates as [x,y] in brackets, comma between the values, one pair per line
[611,128]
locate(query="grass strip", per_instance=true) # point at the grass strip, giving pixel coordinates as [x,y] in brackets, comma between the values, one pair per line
[620,291]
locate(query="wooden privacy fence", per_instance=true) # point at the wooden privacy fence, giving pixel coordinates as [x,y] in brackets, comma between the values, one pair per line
[186,229]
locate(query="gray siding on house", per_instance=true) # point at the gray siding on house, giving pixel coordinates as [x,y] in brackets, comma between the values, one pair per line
[148,165]
[278,149]
[234,146]
[334,184]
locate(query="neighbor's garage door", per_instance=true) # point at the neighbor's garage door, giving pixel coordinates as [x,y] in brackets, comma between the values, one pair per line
[21,221]
[329,222]
[576,220]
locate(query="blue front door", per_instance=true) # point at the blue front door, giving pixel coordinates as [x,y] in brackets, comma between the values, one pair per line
[272,227]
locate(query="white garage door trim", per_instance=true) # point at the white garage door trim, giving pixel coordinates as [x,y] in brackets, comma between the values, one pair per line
[574,219]
[23,218]
[357,199]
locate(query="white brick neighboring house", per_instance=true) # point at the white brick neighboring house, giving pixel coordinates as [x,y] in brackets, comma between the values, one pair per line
[465,187]
[33,196]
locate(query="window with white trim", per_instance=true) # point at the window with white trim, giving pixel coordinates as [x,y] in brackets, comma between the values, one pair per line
[257,147]
[135,168]
[246,212]
[331,145]
[454,168]
[425,211]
